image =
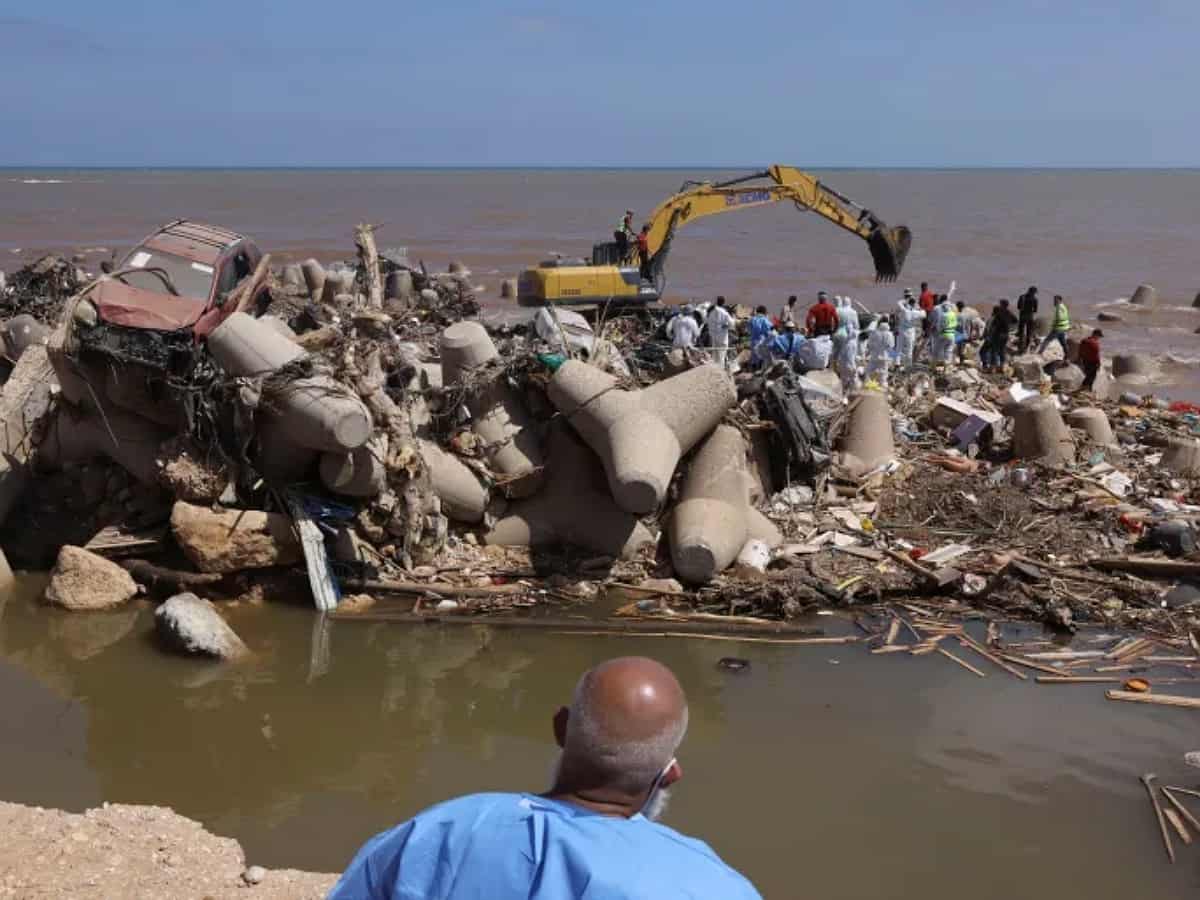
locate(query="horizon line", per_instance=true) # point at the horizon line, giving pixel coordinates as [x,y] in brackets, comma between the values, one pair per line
[469,167]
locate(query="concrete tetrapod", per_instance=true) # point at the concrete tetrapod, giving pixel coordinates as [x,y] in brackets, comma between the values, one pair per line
[1182,456]
[463,496]
[641,435]
[314,412]
[359,473]
[499,417]
[1145,295]
[1094,423]
[714,518]
[866,442]
[76,435]
[1132,364]
[573,508]
[1039,433]
[314,278]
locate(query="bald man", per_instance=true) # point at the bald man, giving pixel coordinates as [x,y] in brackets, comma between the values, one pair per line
[592,835]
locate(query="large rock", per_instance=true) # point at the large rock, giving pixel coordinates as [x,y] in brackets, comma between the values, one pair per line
[84,581]
[1145,295]
[234,539]
[191,625]
[1067,377]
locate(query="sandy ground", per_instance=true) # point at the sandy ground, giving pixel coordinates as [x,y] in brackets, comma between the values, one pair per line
[117,851]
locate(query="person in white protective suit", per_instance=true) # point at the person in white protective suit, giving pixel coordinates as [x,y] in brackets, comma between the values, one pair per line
[879,353]
[846,345]
[910,327]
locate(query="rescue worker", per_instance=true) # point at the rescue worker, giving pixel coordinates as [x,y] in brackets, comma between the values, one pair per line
[1059,326]
[624,233]
[1027,307]
[879,353]
[910,322]
[995,338]
[822,318]
[719,323]
[643,245]
[788,313]
[787,345]
[683,329]
[946,325]
[970,329]
[845,344]
[1089,358]
[762,332]
[927,298]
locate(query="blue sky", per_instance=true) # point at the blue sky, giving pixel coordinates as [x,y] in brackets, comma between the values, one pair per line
[657,82]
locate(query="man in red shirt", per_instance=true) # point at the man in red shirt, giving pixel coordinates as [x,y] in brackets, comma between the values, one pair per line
[927,300]
[643,245]
[1089,358]
[822,317]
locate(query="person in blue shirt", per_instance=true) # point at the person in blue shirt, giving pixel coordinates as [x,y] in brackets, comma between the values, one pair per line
[788,344]
[762,332]
[592,836]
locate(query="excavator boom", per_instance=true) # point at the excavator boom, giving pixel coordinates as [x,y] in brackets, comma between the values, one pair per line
[609,275]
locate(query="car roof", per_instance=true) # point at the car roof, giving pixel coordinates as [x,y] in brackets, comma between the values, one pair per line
[193,240]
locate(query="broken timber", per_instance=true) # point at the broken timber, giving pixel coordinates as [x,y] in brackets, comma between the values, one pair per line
[24,402]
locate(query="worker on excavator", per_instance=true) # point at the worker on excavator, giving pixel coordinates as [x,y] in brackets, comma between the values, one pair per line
[822,318]
[624,233]
[909,323]
[643,246]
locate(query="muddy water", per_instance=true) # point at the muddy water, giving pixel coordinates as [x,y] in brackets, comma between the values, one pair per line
[821,771]
[1089,235]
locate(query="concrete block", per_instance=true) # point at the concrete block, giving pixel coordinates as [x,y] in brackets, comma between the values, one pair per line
[1195,301]
[279,325]
[20,333]
[279,460]
[1028,368]
[641,435]
[1182,456]
[949,413]
[464,497]
[712,521]
[359,473]
[292,276]
[866,442]
[337,281]
[1145,295]
[573,508]
[316,412]
[314,278]
[1067,377]
[1133,364]
[76,435]
[508,289]
[499,417]
[1094,423]
[398,285]
[1039,433]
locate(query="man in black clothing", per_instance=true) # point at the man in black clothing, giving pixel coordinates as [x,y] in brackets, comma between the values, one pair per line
[1027,305]
[995,338]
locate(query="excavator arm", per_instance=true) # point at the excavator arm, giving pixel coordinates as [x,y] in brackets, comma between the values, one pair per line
[695,200]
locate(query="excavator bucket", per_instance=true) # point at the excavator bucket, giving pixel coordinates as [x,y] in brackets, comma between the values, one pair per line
[889,248]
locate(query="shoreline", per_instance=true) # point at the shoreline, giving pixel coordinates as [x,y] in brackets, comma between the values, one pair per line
[119,850]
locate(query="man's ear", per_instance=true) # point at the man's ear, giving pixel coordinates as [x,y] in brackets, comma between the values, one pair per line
[673,774]
[560,726]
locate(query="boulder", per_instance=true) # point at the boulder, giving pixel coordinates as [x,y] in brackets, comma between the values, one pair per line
[84,581]
[188,624]
[234,539]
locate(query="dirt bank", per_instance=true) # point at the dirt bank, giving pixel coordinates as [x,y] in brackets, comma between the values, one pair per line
[118,851]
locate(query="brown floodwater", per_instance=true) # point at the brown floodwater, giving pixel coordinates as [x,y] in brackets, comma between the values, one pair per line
[821,771]
[1089,235]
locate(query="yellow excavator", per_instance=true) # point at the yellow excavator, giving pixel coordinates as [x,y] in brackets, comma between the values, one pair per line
[609,277]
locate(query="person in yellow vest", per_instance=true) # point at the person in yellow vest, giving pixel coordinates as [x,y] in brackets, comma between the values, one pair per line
[1059,326]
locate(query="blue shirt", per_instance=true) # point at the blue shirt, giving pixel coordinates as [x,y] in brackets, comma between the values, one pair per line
[787,345]
[510,846]
[760,328]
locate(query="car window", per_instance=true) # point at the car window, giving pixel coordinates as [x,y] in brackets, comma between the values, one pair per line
[190,279]
[232,273]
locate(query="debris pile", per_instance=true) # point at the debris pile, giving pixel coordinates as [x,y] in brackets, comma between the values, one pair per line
[358,429]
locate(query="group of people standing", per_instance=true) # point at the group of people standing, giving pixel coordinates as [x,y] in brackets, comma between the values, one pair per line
[926,325]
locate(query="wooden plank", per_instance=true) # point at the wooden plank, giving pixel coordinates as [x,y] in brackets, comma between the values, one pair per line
[1161,568]
[1155,699]
[316,560]
[962,662]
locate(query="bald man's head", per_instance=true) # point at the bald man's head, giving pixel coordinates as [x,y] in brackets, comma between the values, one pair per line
[626,720]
